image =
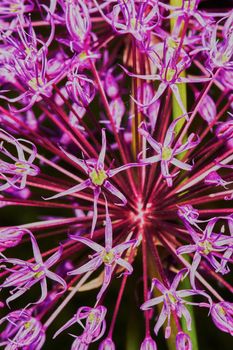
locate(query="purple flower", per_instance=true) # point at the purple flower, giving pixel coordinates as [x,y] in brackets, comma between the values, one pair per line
[78,24]
[188,213]
[108,255]
[138,19]
[183,341]
[148,344]
[15,169]
[210,246]
[80,88]
[11,237]
[213,178]
[189,9]
[222,316]
[23,331]
[208,110]
[93,329]
[169,76]
[219,52]
[173,301]
[14,8]
[165,153]
[107,344]
[28,273]
[97,178]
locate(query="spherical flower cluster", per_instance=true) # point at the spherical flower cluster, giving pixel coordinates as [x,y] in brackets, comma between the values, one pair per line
[116,158]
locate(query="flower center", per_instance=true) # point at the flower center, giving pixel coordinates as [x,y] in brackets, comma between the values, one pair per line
[82,56]
[206,247]
[14,8]
[171,298]
[91,317]
[27,325]
[222,57]
[20,167]
[34,83]
[133,23]
[166,153]
[221,311]
[108,258]
[98,177]
[173,44]
[38,271]
[169,74]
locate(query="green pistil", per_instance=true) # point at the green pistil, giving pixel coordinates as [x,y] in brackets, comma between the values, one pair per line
[206,246]
[172,299]
[221,311]
[38,274]
[108,257]
[91,317]
[98,177]
[21,167]
[27,325]
[166,153]
[173,44]
[169,74]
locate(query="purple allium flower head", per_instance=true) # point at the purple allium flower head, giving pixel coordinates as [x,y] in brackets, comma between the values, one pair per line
[116,140]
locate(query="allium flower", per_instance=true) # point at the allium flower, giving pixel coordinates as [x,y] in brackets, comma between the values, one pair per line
[15,169]
[22,331]
[29,273]
[98,178]
[183,341]
[116,138]
[10,237]
[209,245]
[165,153]
[108,255]
[107,344]
[148,344]
[172,300]
[222,315]
[94,327]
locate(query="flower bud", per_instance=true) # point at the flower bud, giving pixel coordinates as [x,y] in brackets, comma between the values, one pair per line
[183,341]
[222,316]
[148,344]
[208,110]
[107,344]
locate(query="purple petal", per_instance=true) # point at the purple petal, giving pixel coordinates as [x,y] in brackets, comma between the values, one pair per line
[193,269]
[115,192]
[91,265]
[93,245]
[97,192]
[71,190]
[100,162]
[107,278]
[152,302]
